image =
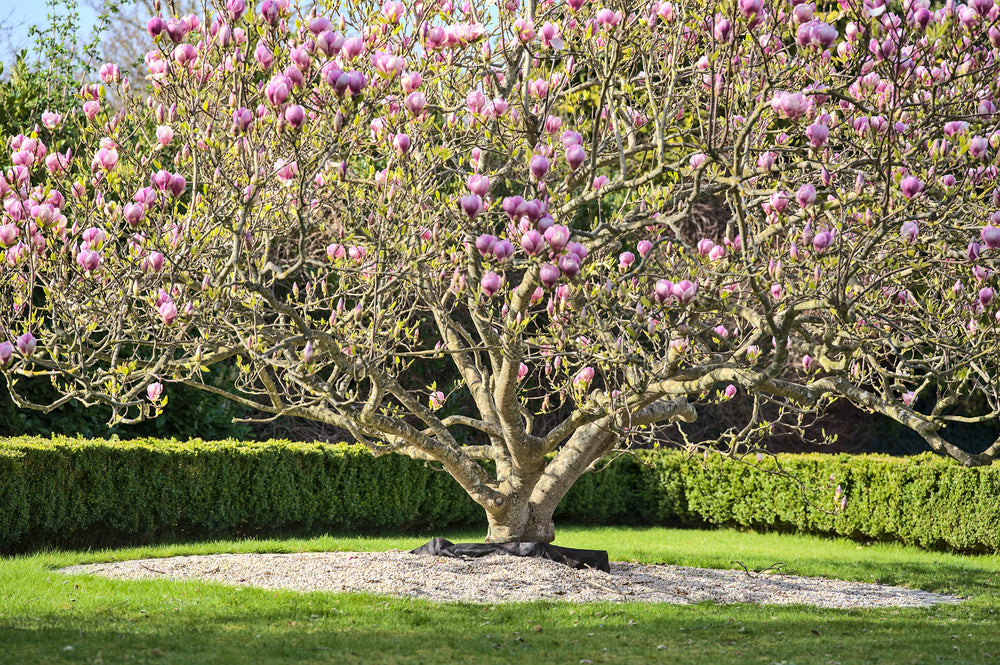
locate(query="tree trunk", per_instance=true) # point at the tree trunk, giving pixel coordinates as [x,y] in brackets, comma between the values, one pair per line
[528,526]
[527,515]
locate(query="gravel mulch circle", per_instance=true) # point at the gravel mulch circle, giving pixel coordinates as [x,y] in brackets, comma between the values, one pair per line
[494,579]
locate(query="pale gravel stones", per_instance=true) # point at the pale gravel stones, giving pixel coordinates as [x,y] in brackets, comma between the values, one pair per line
[495,579]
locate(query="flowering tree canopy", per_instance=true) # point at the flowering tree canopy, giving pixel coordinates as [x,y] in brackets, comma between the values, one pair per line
[330,200]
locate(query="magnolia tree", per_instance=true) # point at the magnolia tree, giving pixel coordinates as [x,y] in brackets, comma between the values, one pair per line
[331,200]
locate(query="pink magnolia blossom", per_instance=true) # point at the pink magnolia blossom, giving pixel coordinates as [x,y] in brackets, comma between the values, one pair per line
[991,236]
[51,120]
[685,291]
[569,264]
[164,135]
[167,311]
[410,81]
[154,391]
[503,250]
[525,29]
[295,115]
[263,56]
[978,147]
[88,259]
[105,159]
[789,105]
[415,103]
[817,134]
[8,234]
[478,184]
[911,186]
[557,236]
[110,73]
[532,243]
[485,243]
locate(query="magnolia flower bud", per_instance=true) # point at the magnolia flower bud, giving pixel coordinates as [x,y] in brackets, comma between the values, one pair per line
[485,243]
[570,265]
[549,275]
[821,241]
[817,134]
[164,135]
[471,205]
[401,142]
[155,26]
[490,283]
[503,250]
[415,103]
[575,156]
[538,166]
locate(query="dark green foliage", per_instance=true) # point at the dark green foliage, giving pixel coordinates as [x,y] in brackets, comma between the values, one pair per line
[190,413]
[73,491]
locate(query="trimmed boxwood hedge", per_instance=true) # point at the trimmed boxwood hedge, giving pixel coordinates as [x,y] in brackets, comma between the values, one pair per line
[66,491]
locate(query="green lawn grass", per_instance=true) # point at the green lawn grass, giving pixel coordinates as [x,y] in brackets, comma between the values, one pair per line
[47,617]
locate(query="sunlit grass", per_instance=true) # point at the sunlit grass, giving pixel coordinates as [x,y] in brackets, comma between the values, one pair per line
[105,621]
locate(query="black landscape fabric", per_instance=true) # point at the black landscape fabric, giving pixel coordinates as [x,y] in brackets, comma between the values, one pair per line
[573,558]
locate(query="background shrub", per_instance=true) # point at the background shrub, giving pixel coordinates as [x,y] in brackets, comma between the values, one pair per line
[67,492]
